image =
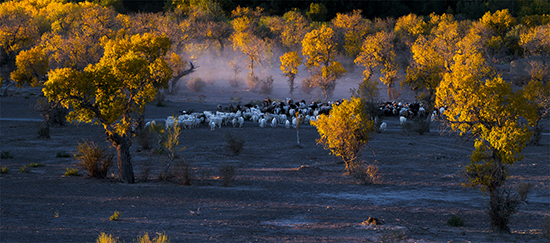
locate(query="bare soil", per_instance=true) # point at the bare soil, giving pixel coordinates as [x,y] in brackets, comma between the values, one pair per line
[282,192]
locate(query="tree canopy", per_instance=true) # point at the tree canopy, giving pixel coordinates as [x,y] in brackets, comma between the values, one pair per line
[115,90]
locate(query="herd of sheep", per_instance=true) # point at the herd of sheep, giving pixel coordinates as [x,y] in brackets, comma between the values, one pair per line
[287,114]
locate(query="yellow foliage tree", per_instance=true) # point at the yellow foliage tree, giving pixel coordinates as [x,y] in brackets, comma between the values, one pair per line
[354,28]
[244,38]
[346,132]
[378,50]
[114,91]
[319,48]
[486,108]
[290,62]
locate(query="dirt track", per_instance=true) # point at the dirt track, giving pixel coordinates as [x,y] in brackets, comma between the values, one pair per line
[273,199]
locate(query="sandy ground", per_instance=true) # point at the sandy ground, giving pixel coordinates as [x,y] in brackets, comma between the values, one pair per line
[282,193]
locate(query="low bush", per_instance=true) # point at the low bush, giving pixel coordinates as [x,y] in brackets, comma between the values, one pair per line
[72,172]
[34,165]
[419,125]
[523,189]
[146,138]
[307,85]
[115,216]
[183,172]
[267,85]
[227,174]
[105,238]
[366,174]
[456,221]
[24,169]
[62,154]
[95,160]
[252,82]
[4,170]
[196,84]
[160,238]
[234,143]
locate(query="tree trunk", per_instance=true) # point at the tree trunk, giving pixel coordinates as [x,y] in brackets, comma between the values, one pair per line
[125,169]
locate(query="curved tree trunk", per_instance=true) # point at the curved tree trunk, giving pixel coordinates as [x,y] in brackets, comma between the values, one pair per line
[125,168]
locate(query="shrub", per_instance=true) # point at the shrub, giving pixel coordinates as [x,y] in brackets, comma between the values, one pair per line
[365,174]
[95,160]
[62,154]
[502,206]
[6,155]
[233,143]
[105,238]
[72,172]
[252,82]
[160,238]
[418,124]
[196,84]
[546,227]
[159,99]
[145,169]
[456,221]
[34,165]
[183,172]
[24,169]
[307,85]
[115,216]
[523,189]
[227,174]
[145,138]
[267,85]
[4,170]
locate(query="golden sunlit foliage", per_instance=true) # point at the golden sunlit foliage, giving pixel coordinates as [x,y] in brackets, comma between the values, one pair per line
[290,62]
[111,92]
[536,40]
[346,131]
[354,28]
[484,107]
[244,37]
[378,50]
[319,48]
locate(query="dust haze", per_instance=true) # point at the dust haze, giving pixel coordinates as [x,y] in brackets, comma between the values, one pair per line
[215,70]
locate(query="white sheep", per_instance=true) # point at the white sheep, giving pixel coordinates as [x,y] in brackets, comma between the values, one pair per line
[150,123]
[212,126]
[262,122]
[402,120]
[241,121]
[274,122]
[287,124]
[234,122]
[383,127]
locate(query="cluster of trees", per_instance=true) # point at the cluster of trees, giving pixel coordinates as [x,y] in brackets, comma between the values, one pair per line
[106,66]
[327,9]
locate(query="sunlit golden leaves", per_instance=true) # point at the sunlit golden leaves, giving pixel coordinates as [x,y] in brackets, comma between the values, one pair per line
[536,40]
[346,131]
[121,83]
[319,49]
[32,66]
[354,28]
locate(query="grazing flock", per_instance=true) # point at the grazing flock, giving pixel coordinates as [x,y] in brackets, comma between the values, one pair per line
[287,114]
